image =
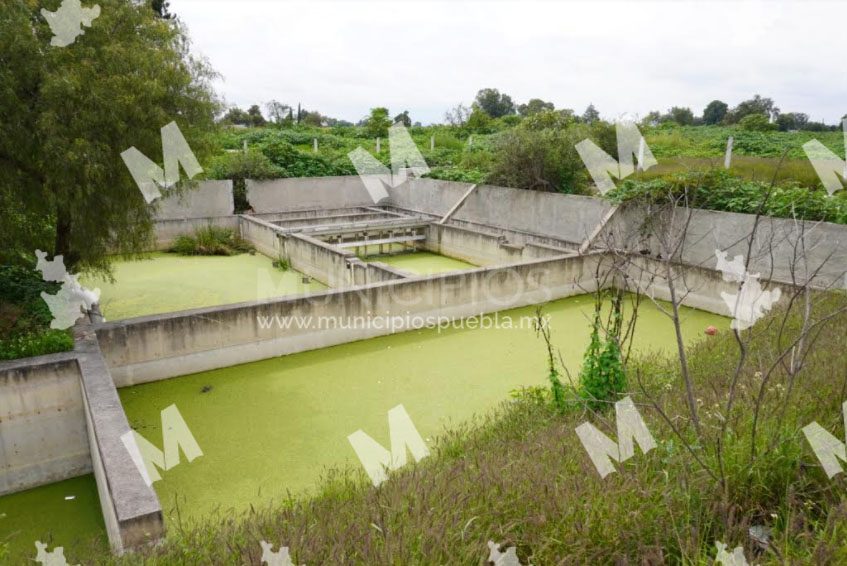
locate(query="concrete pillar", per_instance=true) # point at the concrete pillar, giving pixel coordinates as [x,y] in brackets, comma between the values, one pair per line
[470,140]
[728,159]
[316,144]
[377,145]
[431,143]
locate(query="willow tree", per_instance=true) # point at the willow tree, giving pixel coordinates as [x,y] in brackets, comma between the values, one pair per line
[67,113]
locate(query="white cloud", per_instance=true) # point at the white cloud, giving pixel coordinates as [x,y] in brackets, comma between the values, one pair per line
[343,57]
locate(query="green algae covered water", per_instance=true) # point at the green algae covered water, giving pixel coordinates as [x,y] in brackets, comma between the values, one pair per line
[163,282]
[64,514]
[422,263]
[269,428]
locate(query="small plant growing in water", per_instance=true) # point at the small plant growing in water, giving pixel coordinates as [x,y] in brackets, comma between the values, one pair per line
[602,377]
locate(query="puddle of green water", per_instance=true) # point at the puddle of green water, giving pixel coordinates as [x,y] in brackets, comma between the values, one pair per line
[422,263]
[168,282]
[270,427]
[43,514]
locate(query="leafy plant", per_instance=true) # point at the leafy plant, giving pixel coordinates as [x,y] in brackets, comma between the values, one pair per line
[602,377]
[210,240]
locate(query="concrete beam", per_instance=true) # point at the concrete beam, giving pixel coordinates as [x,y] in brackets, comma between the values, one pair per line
[458,205]
[131,509]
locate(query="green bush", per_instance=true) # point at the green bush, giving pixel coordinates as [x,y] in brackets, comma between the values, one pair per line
[210,240]
[25,317]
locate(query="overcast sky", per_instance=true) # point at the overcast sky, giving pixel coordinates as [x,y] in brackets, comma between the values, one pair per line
[344,57]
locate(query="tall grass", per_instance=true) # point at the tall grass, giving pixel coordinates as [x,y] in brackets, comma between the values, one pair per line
[210,240]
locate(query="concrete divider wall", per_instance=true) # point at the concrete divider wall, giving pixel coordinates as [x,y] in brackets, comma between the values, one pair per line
[324,262]
[159,347]
[200,199]
[43,437]
[131,509]
[479,248]
[301,193]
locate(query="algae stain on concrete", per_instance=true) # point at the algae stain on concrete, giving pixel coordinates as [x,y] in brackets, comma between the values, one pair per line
[271,427]
[65,514]
[423,263]
[164,282]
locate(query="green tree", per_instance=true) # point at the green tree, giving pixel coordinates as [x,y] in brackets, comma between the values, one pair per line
[378,122]
[682,116]
[540,159]
[756,123]
[403,118]
[254,113]
[590,115]
[715,112]
[237,116]
[493,103]
[278,113]
[756,105]
[479,121]
[534,106]
[67,113]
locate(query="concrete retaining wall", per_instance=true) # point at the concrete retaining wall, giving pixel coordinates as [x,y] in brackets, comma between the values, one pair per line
[166,231]
[201,199]
[567,217]
[43,437]
[159,347]
[301,193]
[481,249]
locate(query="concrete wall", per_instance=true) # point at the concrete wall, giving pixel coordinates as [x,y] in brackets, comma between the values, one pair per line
[567,217]
[481,249]
[301,193]
[166,231]
[201,199]
[159,347]
[783,250]
[43,437]
[324,262]
[60,417]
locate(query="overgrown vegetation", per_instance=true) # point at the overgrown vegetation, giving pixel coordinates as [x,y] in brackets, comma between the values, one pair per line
[522,478]
[718,190]
[211,240]
[25,318]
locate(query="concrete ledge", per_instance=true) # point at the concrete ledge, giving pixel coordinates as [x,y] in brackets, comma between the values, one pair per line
[131,509]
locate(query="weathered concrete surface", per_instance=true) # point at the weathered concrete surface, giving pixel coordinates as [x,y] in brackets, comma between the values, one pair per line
[482,249]
[567,217]
[159,347]
[43,438]
[300,193]
[201,199]
[131,509]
